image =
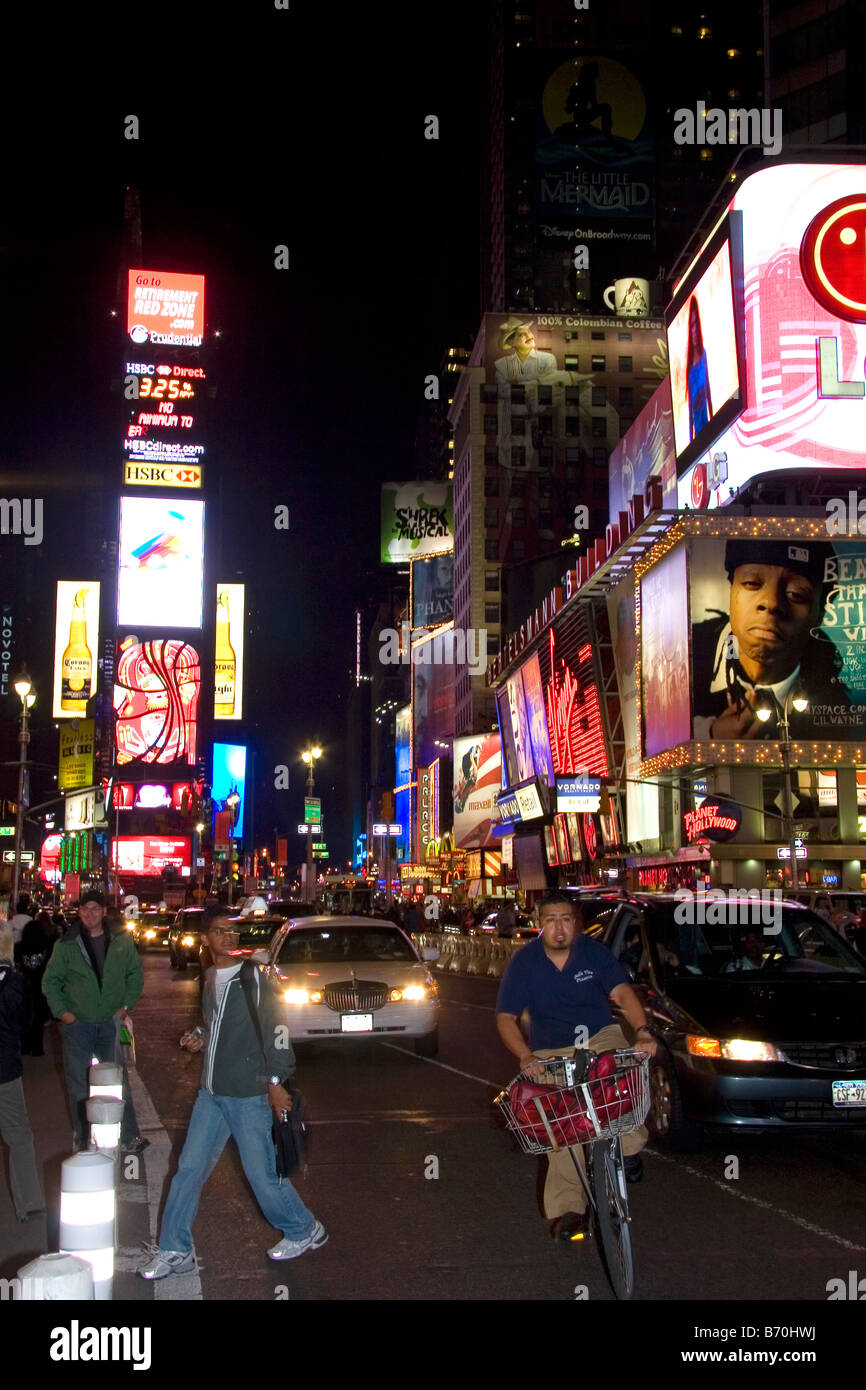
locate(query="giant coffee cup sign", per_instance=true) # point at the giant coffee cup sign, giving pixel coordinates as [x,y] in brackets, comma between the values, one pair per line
[714,819]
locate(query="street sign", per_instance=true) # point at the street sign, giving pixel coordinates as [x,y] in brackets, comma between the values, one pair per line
[392,828]
[312,808]
[318,846]
[27,856]
[321,854]
[7,829]
[315,829]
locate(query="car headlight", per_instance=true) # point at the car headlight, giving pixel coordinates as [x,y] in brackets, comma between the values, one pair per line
[187,941]
[130,926]
[149,934]
[734,1050]
[408,992]
[296,996]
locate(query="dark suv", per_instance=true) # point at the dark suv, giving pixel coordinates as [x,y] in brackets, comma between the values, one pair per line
[185,937]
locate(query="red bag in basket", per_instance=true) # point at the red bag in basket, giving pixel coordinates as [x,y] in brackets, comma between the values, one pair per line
[521,1096]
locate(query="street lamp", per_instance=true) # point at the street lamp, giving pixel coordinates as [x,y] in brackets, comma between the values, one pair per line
[233,801]
[199,831]
[24,689]
[309,757]
[797,700]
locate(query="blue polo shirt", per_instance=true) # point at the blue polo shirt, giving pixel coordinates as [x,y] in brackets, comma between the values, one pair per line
[559,1001]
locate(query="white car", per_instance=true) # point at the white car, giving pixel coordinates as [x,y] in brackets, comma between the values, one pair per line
[354,977]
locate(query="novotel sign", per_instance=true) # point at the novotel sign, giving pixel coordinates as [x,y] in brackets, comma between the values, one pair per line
[714,819]
[616,534]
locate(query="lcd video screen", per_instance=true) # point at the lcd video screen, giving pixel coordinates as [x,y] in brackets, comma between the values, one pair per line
[159,580]
[706,360]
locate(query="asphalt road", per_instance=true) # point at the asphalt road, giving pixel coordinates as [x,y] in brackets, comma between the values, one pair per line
[382,1120]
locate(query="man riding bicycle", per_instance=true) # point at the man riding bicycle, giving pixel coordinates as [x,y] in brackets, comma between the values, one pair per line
[567,982]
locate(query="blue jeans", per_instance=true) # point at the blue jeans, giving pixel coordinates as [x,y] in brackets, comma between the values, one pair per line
[248,1119]
[81,1041]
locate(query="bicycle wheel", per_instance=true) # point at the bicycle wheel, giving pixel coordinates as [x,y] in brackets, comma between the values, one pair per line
[611,1214]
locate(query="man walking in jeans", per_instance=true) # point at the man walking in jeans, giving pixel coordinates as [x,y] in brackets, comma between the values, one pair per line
[241,1085]
[92,981]
[567,982]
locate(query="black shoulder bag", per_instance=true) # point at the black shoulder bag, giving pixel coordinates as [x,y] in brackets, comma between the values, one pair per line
[290,1134]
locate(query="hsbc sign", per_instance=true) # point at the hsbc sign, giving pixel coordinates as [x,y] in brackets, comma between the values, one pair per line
[163,475]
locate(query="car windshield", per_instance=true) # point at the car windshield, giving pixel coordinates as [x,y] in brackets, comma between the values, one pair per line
[800,944]
[258,934]
[344,944]
[152,919]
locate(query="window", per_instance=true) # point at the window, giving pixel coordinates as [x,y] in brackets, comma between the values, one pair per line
[518,458]
[599,427]
[492,650]
[625,364]
[545,457]
[623,337]
[491,612]
[518,550]
[545,521]
[490,424]
[491,550]
[626,397]
[599,456]
[491,455]
[518,487]
[491,485]
[571,365]
[600,487]
[597,363]
[518,394]
[518,516]
[572,425]
[489,395]
[573,456]
[599,395]
[545,395]
[491,516]
[545,487]
[597,337]
[491,580]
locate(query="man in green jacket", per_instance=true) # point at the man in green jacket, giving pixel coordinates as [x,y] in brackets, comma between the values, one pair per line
[93,979]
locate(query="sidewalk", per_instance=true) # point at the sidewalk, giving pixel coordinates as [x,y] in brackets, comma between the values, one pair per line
[20,1242]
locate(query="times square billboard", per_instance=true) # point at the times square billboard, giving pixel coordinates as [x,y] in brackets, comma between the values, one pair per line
[767,334]
[731,624]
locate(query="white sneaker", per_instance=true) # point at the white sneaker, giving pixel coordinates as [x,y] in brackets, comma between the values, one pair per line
[165,1262]
[291,1249]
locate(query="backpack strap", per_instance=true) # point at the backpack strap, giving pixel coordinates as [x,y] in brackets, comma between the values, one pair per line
[248,984]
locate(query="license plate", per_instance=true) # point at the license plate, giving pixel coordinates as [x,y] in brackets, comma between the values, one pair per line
[849,1093]
[356,1023]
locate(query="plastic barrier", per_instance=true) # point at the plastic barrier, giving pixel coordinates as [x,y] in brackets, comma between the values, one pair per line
[500,952]
[479,955]
[447,952]
[460,959]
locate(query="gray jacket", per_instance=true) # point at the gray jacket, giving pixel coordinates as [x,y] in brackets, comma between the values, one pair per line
[234,1064]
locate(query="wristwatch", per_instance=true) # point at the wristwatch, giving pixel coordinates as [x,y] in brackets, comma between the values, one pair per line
[274,1080]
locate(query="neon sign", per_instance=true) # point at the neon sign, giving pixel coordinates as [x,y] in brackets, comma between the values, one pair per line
[574,715]
[713,820]
[833,257]
[165,307]
[156,693]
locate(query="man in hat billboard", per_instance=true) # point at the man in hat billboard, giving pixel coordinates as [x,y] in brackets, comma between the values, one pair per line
[768,644]
[523,360]
[92,981]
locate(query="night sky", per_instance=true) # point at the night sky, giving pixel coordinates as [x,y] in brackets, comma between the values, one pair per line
[306,128]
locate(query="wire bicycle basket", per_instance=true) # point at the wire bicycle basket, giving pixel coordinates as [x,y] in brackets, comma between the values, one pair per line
[572,1102]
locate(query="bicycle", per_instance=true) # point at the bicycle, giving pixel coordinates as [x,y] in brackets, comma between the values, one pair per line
[578,1100]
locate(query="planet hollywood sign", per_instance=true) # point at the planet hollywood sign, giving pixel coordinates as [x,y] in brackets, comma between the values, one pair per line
[617,533]
[713,820]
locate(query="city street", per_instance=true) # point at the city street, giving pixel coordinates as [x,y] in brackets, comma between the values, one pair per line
[382,1118]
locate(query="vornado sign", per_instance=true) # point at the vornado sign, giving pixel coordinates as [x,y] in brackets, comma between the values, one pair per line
[713,820]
